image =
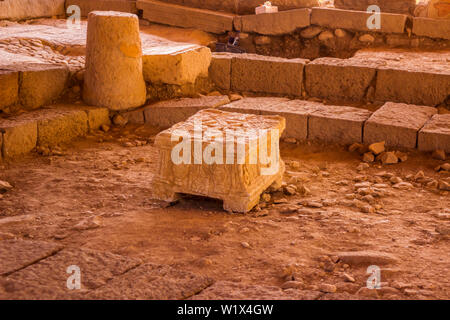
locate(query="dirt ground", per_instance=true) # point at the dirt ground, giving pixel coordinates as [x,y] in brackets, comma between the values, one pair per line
[105,180]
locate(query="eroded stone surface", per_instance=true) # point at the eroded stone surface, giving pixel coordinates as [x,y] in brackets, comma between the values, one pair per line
[255,105]
[86,6]
[338,79]
[152,282]
[9,88]
[434,28]
[236,176]
[113,76]
[19,136]
[274,23]
[402,6]
[18,254]
[356,20]
[96,269]
[168,65]
[220,70]
[165,114]
[227,290]
[25,9]
[176,15]
[255,73]
[397,124]
[337,124]
[435,134]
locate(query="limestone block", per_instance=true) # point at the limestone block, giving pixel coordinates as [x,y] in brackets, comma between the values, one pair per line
[338,79]
[255,73]
[435,134]
[221,155]
[253,105]
[97,117]
[9,88]
[393,6]
[220,70]
[57,126]
[433,28]
[397,124]
[337,124]
[41,84]
[282,22]
[165,114]
[356,20]
[113,76]
[166,65]
[412,86]
[26,9]
[248,6]
[19,135]
[180,16]
[88,6]
[134,116]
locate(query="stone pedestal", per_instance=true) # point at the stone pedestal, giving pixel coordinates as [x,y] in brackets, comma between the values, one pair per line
[114,77]
[220,155]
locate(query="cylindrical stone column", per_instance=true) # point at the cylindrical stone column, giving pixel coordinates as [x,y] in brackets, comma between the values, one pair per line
[113,76]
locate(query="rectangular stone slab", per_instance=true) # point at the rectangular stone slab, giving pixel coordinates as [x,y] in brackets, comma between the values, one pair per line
[175,64]
[237,176]
[57,126]
[393,6]
[24,9]
[397,124]
[282,22]
[97,116]
[152,282]
[252,105]
[165,114]
[337,124]
[435,134]
[19,135]
[255,73]
[9,88]
[87,6]
[338,79]
[357,20]
[220,70]
[180,16]
[433,28]
[41,84]
[18,254]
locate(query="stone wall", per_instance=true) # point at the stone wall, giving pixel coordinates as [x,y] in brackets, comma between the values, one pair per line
[27,9]
[243,6]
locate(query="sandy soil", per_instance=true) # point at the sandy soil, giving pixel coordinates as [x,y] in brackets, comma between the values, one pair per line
[99,178]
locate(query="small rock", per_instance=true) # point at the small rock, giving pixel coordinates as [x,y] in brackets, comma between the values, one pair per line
[368,157]
[5,186]
[104,127]
[368,209]
[235,97]
[445,167]
[358,147]
[395,180]
[292,285]
[290,190]
[403,186]
[401,156]
[310,32]
[377,147]
[388,158]
[327,288]
[362,166]
[311,204]
[366,292]
[326,35]
[439,154]
[348,277]
[89,223]
[266,197]
[367,38]
[419,175]
[340,33]
[245,244]
[357,258]
[445,186]
[119,120]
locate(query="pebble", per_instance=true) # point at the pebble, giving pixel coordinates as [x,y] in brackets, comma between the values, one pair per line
[327,288]
[360,148]
[362,166]
[311,204]
[89,223]
[368,209]
[402,157]
[266,197]
[444,186]
[5,186]
[292,285]
[310,32]
[388,158]
[368,157]
[377,147]
[119,120]
[348,277]
[325,35]
[403,186]
[395,180]
[245,244]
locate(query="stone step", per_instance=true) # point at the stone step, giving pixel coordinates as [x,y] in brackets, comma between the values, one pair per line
[186,17]
[87,6]
[25,9]
[392,6]
[421,78]
[399,125]
[48,127]
[433,28]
